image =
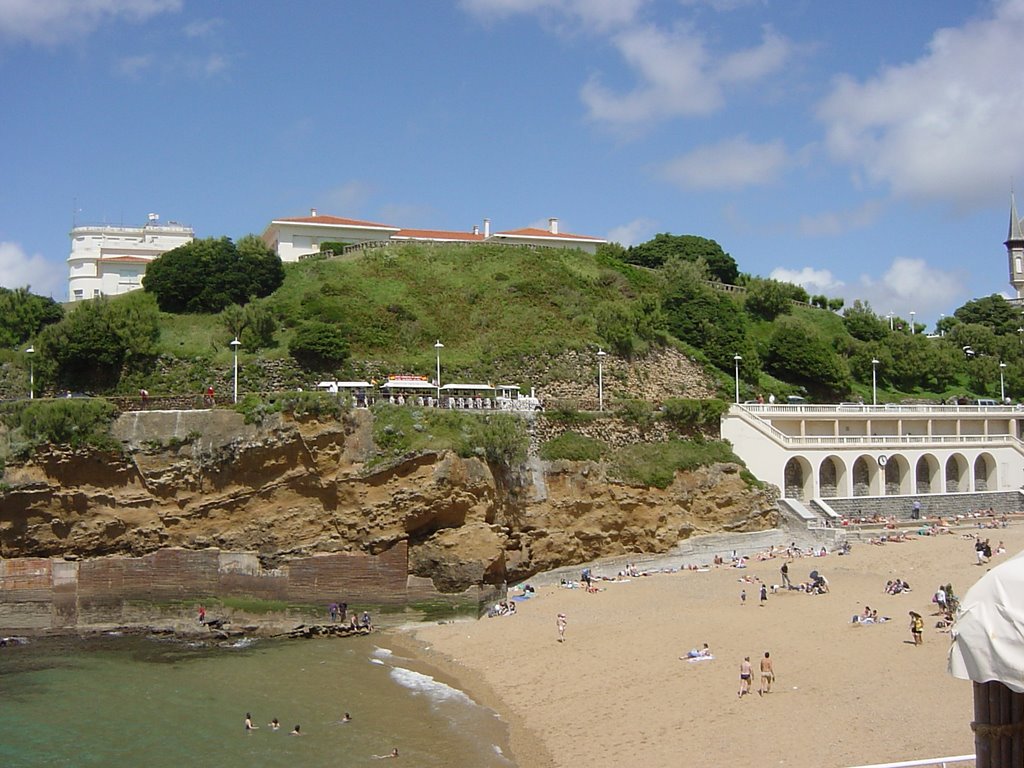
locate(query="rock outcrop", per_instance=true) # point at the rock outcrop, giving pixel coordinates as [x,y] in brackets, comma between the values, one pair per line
[293,488]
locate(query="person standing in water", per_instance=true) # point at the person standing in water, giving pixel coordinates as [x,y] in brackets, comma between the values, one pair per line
[248,723]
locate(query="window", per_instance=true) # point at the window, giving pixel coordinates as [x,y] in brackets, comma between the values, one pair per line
[1016,265]
[79,295]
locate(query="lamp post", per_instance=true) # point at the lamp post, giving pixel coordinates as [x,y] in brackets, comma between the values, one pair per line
[736,359]
[1002,384]
[235,344]
[438,346]
[600,378]
[874,381]
[890,316]
[912,329]
[31,373]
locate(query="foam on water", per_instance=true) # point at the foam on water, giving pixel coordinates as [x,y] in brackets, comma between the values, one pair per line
[417,682]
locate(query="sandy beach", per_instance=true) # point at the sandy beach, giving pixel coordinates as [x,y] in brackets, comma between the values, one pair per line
[616,691]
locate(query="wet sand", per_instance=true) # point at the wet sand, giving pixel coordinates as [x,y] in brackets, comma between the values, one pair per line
[616,692]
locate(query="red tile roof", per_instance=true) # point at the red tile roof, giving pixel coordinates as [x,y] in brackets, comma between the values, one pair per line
[437,234]
[334,221]
[534,232]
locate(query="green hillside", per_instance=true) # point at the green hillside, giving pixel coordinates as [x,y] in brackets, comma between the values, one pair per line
[498,309]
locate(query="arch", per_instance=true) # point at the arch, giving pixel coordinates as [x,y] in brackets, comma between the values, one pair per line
[985,475]
[799,479]
[958,478]
[897,476]
[865,476]
[927,475]
[832,480]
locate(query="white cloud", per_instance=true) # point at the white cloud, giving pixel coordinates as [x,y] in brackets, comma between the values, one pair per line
[944,127]
[19,269]
[730,164]
[910,285]
[814,280]
[48,22]
[833,223]
[633,232]
[203,28]
[595,14]
[134,66]
[677,75]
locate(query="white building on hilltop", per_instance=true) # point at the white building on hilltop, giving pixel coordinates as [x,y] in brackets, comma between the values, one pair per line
[109,260]
[296,238]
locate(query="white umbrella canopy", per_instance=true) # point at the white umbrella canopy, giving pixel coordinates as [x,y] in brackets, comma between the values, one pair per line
[988,634]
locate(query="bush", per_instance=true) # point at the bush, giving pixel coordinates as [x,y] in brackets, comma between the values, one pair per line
[694,415]
[655,464]
[318,345]
[300,404]
[76,422]
[572,446]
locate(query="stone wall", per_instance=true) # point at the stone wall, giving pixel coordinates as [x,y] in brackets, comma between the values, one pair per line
[40,594]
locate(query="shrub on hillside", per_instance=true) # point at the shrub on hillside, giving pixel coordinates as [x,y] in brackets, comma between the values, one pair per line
[318,345]
[694,415]
[572,446]
[76,422]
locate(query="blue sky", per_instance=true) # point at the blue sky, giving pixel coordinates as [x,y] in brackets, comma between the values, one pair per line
[866,150]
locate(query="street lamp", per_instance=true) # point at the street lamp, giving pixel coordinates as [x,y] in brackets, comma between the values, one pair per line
[438,346]
[31,374]
[736,359]
[890,316]
[235,344]
[912,329]
[874,381]
[1002,385]
[600,378]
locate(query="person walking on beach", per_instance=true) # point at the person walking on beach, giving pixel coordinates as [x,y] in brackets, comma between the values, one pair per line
[745,672]
[767,675]
[916,627]
[764,594]
[743,597]
[784,570]
[560,623]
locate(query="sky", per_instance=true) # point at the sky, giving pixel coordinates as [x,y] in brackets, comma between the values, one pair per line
[865,150]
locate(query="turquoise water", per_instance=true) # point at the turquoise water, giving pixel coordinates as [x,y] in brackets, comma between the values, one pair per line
[115,701]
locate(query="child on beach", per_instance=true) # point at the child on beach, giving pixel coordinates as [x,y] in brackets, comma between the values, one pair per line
[560,623]
[743,597]
[916,627]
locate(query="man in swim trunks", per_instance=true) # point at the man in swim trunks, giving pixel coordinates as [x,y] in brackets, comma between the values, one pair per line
[745,672]
[767,675]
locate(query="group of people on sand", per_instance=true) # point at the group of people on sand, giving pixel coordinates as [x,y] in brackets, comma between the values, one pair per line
[747,675]
[503,608]
[869,616]
[896,587]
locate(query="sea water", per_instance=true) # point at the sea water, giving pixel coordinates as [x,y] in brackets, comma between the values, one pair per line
[132,701]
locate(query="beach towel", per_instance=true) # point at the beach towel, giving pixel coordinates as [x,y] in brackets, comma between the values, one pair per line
[692,659]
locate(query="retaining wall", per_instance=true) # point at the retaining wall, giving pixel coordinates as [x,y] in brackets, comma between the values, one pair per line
[52,593]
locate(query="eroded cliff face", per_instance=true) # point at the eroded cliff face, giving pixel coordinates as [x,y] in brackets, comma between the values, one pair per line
[293,488]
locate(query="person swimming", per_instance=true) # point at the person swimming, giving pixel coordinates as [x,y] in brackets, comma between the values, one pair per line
[394,753]
[347,718]
[274,724]
[296,731]
[248,723]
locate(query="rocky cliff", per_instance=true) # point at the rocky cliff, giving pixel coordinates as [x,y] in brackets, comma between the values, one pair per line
[292,488]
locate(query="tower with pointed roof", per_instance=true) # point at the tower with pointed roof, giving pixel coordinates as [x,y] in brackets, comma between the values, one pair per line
[1015,250]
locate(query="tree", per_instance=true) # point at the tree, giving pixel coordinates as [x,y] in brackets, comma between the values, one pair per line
[994,311]
[209,275]
[318,345]
[98,338]
[862,323]
[709,320]
[254,324]
[655,253]
[23,314]
[767,299]
[796,353]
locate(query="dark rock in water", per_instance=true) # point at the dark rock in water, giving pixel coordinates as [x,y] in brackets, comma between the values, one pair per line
[324,630]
